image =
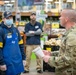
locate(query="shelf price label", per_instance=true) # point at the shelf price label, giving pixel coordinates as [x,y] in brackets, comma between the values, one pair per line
[48,49]
[22,23]
[55,25]
[56,14]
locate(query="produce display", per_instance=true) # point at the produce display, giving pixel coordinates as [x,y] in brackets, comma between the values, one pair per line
[53,42]
[58,32]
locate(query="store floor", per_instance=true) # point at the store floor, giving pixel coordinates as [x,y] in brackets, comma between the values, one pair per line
[34,72]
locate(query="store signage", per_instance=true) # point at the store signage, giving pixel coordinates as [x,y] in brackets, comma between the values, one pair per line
[18,16]
[55,14]
[22,23]
[30,2]
[41,17]
[70,0]
[48,49]
[55,25]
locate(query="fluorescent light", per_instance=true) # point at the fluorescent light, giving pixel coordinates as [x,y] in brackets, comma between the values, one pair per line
[12,0]
[6,1]
[9,4]
[49,0]
[70,0]
[57,2]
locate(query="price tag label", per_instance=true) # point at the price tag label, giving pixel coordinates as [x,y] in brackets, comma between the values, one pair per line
[21,23]
[56,14]
[55,25]
[49,49]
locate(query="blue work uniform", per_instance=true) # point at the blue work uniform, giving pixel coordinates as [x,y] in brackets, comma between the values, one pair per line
[33,40]
[12,55]
[11,52]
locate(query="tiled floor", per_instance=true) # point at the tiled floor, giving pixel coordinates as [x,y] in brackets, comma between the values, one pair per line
[34,72]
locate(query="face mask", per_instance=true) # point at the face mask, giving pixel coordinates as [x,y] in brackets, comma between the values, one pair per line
[9,22]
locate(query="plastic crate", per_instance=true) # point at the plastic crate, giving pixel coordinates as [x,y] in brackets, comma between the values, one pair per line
[51,48]
[47,67]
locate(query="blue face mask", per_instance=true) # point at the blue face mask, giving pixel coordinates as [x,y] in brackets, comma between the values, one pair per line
[9,22]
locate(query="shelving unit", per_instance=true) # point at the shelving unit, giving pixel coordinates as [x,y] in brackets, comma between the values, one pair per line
[52,8]
[49,6]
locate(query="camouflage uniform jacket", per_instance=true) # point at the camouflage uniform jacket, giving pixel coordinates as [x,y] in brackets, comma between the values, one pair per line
[65,62]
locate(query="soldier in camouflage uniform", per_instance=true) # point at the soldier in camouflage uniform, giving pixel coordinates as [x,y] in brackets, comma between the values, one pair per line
[65,62]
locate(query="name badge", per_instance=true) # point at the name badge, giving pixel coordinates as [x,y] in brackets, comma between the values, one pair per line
[9,36]
[13,42]
[36,26]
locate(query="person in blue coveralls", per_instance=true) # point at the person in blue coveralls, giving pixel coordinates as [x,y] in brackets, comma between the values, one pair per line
[11,47]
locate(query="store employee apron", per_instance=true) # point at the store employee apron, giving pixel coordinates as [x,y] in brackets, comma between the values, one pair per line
[12,54]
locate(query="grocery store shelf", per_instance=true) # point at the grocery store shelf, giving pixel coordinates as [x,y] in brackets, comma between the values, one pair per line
[28,13]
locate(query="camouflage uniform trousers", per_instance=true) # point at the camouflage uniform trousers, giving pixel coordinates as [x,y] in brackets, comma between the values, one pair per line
[66,72]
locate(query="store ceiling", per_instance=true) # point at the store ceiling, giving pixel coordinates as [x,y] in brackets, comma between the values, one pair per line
[7,2]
